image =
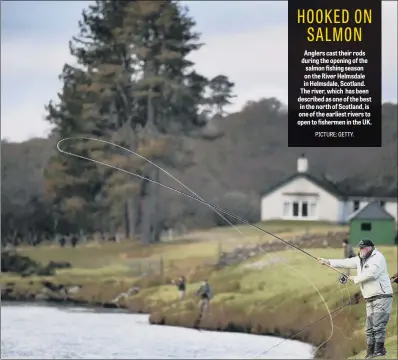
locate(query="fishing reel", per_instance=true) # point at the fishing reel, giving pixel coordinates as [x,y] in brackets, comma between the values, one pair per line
[343,279]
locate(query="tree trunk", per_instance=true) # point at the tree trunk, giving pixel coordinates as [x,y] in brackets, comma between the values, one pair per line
[150,211]
[147,209]
[155,236]
[132,203]
[126,220]
[151,201]
[131,216]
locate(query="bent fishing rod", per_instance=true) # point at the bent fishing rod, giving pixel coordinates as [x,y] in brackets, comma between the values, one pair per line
[343,278]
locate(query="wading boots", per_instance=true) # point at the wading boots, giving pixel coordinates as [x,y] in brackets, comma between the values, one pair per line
[370,351]
[380,350]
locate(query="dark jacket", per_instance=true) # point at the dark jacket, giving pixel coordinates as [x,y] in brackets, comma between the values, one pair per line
[181,286]
[204,291]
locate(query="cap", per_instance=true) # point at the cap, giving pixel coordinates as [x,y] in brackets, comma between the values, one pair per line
[365,242]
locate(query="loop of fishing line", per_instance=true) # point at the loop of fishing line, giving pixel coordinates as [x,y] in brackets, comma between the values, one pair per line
[219,211]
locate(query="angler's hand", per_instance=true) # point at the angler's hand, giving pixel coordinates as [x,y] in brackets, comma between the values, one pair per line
[323,261]
[351,278]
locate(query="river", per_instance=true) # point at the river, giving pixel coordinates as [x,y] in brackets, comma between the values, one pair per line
[46,332]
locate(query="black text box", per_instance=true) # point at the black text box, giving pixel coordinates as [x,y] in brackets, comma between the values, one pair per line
[334,73]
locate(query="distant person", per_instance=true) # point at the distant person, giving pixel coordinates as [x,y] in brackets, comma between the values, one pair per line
[181,284]
[394,278]
[62,241]
[205,293]
[74,240]
[348,253]
[348,250]
[375,285]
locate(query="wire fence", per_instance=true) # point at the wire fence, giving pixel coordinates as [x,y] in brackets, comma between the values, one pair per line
[160,266]
[146,267]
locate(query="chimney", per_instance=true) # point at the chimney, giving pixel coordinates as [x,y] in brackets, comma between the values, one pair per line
[302,164]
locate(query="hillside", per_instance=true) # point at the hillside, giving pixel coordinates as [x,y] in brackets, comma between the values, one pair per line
[250,155]
[253,154]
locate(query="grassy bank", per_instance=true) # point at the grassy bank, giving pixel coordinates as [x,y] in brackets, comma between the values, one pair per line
[265,296]
[391,346]
[269,294]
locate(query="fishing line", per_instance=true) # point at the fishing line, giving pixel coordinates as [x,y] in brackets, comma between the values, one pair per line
[348,312]
[147,160]
[180,192]
[197,198]
[333,313]
[346,315]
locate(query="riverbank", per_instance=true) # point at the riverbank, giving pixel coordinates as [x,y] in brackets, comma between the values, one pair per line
[265,294]
[260,296]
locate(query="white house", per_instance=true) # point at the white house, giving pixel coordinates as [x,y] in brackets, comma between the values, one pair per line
[304,196]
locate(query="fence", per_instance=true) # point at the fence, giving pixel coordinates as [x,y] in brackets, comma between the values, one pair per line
[159,266]
[146,267]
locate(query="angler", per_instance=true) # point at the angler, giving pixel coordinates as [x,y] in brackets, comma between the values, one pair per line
[181,284]
[205,294]
[348,253]
[374,281]
[205,299]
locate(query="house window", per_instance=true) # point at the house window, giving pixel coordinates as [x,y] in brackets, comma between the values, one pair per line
[366,226]
[295,209]
[382,204]
[313,210]
[286,209]
[304,209]
[356,205]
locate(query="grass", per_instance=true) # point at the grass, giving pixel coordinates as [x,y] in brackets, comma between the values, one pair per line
[269,294]
[391,347]
[195,248]
[280,226]
[274,298]
[231,236]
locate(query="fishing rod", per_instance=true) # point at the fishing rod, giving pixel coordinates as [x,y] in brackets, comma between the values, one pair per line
[343,278]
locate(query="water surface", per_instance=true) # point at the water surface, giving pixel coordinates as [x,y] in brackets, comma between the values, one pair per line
[34,331]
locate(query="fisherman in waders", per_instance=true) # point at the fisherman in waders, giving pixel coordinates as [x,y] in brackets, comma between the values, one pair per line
[348,253]
[205,295]
[181,284]
[374,281]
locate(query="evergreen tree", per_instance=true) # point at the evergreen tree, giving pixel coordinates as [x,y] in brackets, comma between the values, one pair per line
[221,92]
[134,86]
[70,186]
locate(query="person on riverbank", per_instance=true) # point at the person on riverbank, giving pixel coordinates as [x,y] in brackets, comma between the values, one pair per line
[375,284]
[205,293]
[181,284]
[348,253]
